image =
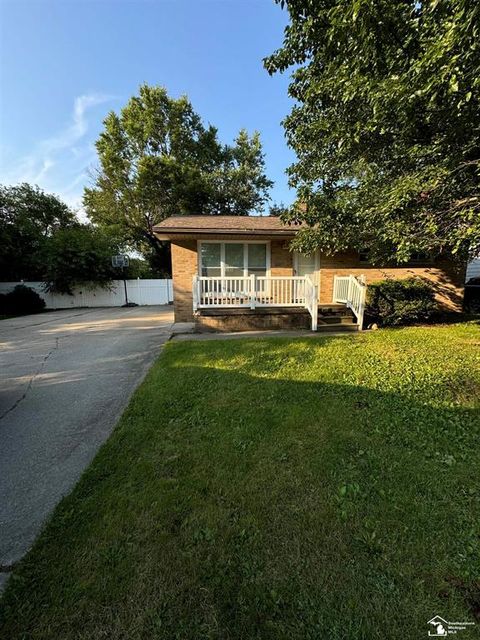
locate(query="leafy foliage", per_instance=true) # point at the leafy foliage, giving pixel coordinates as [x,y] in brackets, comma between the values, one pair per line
[158,159]
[28,218]
[471,300]
[400,302]
[42,239]
[386,124]
[139,268]
[278,209]
[22,300]
[79,255]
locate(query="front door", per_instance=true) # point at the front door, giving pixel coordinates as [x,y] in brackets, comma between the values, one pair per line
[304,265]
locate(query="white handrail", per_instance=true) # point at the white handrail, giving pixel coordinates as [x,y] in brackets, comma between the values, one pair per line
[311,301]
[351,291]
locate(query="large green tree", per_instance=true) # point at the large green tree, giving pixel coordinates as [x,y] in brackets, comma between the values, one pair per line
[386,124]
[157,158]
[79,255]
[28,218]
[42,239]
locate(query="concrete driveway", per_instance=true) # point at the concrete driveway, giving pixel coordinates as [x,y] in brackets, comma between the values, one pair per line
[65,377]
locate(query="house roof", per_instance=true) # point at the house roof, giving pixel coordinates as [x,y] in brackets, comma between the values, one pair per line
[229,225]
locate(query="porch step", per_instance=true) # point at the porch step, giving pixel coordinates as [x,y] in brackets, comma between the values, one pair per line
[337,310]
[338,327]
[337,319]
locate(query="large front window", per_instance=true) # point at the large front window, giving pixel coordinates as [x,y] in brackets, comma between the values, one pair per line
[233,259]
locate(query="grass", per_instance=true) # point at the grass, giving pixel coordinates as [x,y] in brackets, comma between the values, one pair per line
[273,489]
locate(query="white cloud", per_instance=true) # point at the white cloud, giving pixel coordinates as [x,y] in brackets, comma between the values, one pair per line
[79,127]
[47,165]
[59,163]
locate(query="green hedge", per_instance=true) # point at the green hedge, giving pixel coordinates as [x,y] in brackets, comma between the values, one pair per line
[21,301]
[400,302]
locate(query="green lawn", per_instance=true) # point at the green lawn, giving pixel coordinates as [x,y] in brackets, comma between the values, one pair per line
[274,489]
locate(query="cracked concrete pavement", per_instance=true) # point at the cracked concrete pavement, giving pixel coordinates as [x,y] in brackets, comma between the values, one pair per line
[65,377]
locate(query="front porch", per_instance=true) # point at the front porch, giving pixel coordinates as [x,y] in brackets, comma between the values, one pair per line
[253,302]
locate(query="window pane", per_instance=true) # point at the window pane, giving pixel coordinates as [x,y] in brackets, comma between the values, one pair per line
[234,256]
[234,260]
[420,256]
[210,258]
[211,272]
[257,256]
[257,259]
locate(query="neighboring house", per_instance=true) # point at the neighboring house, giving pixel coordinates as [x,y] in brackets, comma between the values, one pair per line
[234,273]
[473,269]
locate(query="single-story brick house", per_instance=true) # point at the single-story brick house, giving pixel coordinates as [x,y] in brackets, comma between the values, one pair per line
[237,273]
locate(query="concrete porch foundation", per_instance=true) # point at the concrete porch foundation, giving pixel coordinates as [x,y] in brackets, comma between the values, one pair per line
[331,317]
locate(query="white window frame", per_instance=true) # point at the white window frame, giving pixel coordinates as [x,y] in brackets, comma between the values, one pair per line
[222,244]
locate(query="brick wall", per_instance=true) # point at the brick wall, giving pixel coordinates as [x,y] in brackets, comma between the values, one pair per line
[281,258]
[184,267]
[446,279]
[185,263]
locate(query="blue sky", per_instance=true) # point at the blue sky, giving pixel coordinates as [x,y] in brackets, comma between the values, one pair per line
[65,64]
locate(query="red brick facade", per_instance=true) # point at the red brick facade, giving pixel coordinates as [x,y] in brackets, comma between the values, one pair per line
[445,277]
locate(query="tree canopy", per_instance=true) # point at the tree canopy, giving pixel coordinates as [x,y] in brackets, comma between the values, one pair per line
[28,218]
[157,158]
[385,125]
[41,239]
[79,255]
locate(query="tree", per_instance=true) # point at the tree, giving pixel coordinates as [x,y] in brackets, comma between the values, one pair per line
[386,124]
[158,159]
[41,239]
[278,209]
[79,255]
[28,218]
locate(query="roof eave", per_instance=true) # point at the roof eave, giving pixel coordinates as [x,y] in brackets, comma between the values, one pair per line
[166,233]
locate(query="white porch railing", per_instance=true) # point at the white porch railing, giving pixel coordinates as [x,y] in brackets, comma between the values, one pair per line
[351,291]
[256,291]
[311,301]
[293,291]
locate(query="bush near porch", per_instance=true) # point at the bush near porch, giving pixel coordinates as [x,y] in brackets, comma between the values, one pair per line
[21,301]
[273,488]
[400,302]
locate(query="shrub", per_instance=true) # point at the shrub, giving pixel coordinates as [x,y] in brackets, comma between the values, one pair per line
[471,299]
[400,302]
[21,301]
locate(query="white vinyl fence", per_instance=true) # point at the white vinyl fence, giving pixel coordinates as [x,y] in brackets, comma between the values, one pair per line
[143,292]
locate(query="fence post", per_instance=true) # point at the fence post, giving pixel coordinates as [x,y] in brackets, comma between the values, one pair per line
[363,296]
[314,307]
[195,292]
[253,291]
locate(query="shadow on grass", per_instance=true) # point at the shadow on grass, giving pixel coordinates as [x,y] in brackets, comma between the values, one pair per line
[236,500]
